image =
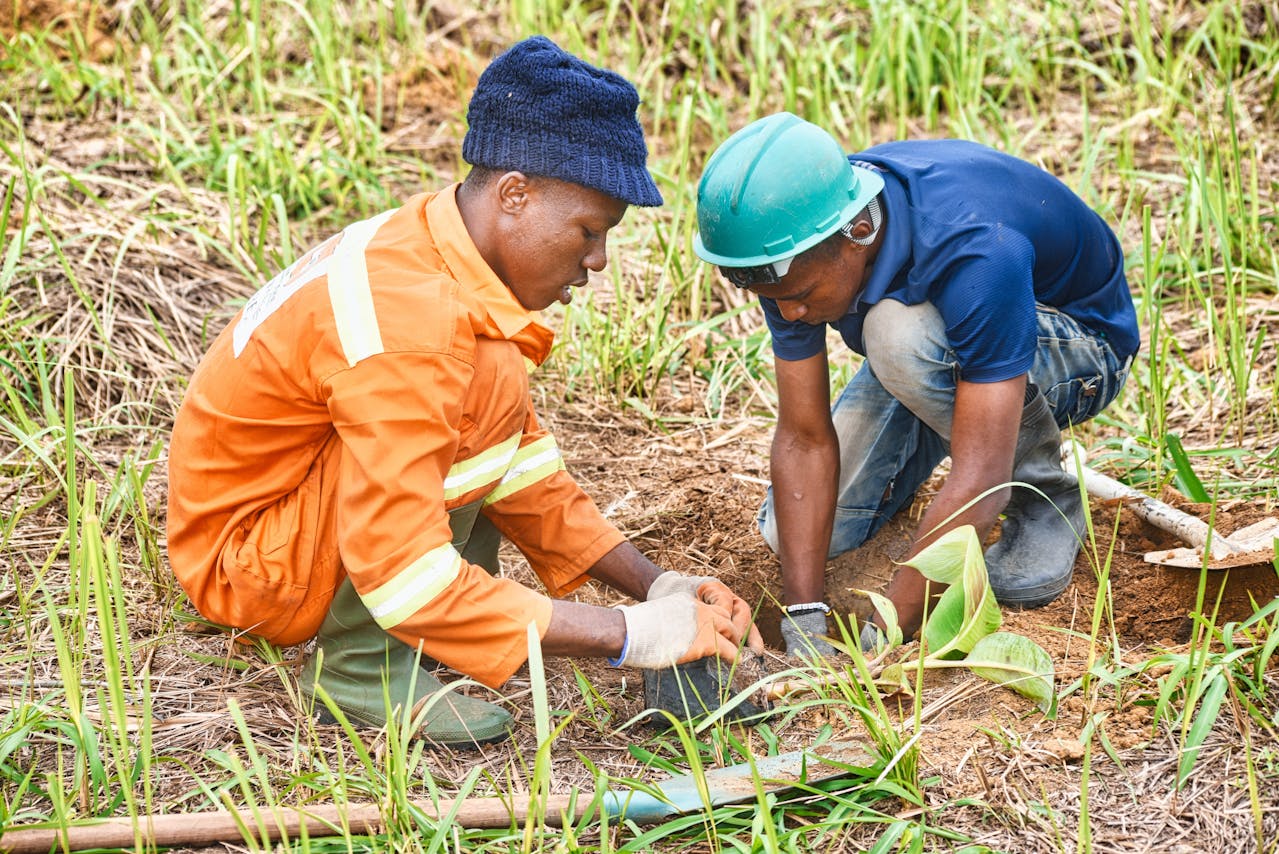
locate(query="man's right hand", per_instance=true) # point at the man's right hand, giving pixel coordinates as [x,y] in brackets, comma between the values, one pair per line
[678,628]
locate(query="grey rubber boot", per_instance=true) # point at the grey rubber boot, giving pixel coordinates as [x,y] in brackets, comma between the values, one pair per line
[694,690]
[361,662]
[1032,563]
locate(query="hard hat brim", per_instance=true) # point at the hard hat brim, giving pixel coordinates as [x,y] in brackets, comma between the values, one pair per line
[869,184]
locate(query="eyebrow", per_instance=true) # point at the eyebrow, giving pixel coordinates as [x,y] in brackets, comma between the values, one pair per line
[791,297]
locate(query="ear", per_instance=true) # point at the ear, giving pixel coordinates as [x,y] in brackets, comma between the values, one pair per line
[513,192]
[862,228]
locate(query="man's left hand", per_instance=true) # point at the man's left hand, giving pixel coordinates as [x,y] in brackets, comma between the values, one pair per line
[714,592]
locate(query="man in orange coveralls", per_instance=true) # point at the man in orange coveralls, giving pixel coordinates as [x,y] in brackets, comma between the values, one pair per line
[357,439]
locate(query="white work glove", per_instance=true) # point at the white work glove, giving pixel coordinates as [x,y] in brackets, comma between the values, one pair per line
[671,582]
[675,629]
[710,591]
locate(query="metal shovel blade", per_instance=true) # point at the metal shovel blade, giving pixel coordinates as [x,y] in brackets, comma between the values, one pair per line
[1249,546]
[737,783]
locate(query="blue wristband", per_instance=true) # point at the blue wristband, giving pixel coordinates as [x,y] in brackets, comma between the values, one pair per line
[621,656]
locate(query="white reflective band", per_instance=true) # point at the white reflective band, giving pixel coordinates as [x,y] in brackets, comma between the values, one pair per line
[534,462]
[528,465]
[414,586]
[351,296]
[481,468]
[283,285]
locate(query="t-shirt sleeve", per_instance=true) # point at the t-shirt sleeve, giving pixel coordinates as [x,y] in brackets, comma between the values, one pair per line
[985,295]
[792,341]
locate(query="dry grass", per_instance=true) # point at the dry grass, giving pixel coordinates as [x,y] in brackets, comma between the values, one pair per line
[135,300]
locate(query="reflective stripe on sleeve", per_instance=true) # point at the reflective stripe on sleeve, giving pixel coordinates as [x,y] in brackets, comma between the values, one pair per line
[414,586]
[481,469]
[534,462]
[350,294]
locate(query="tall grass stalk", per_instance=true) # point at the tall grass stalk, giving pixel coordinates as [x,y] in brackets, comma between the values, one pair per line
[223,138]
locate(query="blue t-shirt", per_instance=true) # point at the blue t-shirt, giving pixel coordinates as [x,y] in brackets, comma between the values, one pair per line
[983,236]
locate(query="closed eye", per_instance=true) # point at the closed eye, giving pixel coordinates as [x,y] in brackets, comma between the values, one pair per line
[794,297]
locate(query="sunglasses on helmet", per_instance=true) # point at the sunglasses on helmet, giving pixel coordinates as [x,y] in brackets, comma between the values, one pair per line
[764,274]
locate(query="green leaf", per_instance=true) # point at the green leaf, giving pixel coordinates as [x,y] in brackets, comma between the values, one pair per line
[1016,662]
[1204,720]
[967,611]
[888,613]
[1186,479]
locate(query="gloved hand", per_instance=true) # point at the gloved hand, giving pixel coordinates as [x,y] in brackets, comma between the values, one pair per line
[711,591]
[804,633]
[873,638]
[677,628]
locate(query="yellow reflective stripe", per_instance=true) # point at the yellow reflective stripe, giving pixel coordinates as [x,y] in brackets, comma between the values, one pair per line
[350,294]
[414,586]
[482,468]
[535,461]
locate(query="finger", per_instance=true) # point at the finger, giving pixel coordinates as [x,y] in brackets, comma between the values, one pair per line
[726,649]
[715,592]
[754,640]
[741,617]
[710,638]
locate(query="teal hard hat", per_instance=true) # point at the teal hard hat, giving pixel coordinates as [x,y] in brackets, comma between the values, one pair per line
[775,188]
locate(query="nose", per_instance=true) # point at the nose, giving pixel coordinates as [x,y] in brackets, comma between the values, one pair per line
[597,256]
[791,310]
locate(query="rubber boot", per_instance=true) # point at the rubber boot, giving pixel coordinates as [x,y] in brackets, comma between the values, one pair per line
[694,690]
[1032,563]
[362,663]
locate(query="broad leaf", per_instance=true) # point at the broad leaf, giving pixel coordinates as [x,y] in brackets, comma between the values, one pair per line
[888,613]
[1018,663]
[967,611]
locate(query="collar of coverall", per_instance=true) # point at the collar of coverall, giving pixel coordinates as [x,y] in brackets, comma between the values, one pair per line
[515,322]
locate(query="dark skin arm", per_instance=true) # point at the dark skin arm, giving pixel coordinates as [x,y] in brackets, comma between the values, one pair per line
[983,442]
[577,629]
[805,474]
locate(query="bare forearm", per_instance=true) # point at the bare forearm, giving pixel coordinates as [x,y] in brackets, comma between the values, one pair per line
[581,630]
[626,570]
[983,442]
[805,475]
[908,586]
[956,504]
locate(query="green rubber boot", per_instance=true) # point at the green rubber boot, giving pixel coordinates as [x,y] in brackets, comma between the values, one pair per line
[361,664]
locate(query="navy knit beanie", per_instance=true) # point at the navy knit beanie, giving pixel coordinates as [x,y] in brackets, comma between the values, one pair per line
[540,110]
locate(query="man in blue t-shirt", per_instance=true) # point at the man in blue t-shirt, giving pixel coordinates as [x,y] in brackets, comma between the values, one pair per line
[991,306]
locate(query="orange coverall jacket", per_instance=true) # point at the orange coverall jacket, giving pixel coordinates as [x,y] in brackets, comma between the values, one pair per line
[377,383]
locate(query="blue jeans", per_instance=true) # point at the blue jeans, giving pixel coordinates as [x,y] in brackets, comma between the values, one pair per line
[893,419]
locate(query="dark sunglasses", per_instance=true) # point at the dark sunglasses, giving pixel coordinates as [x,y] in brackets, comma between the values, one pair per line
[764,274]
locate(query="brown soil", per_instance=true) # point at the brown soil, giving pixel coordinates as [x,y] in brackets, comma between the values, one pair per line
[694,509]
[89,20]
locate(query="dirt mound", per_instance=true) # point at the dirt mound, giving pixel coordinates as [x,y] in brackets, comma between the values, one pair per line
[89,20]
[691,502]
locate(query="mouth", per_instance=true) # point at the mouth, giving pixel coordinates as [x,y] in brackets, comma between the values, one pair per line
[566,292]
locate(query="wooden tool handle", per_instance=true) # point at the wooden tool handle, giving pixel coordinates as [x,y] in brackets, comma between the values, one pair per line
[1191,531]
[271,824]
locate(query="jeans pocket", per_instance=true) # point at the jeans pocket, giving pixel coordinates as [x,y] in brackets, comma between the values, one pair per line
[1077,399]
